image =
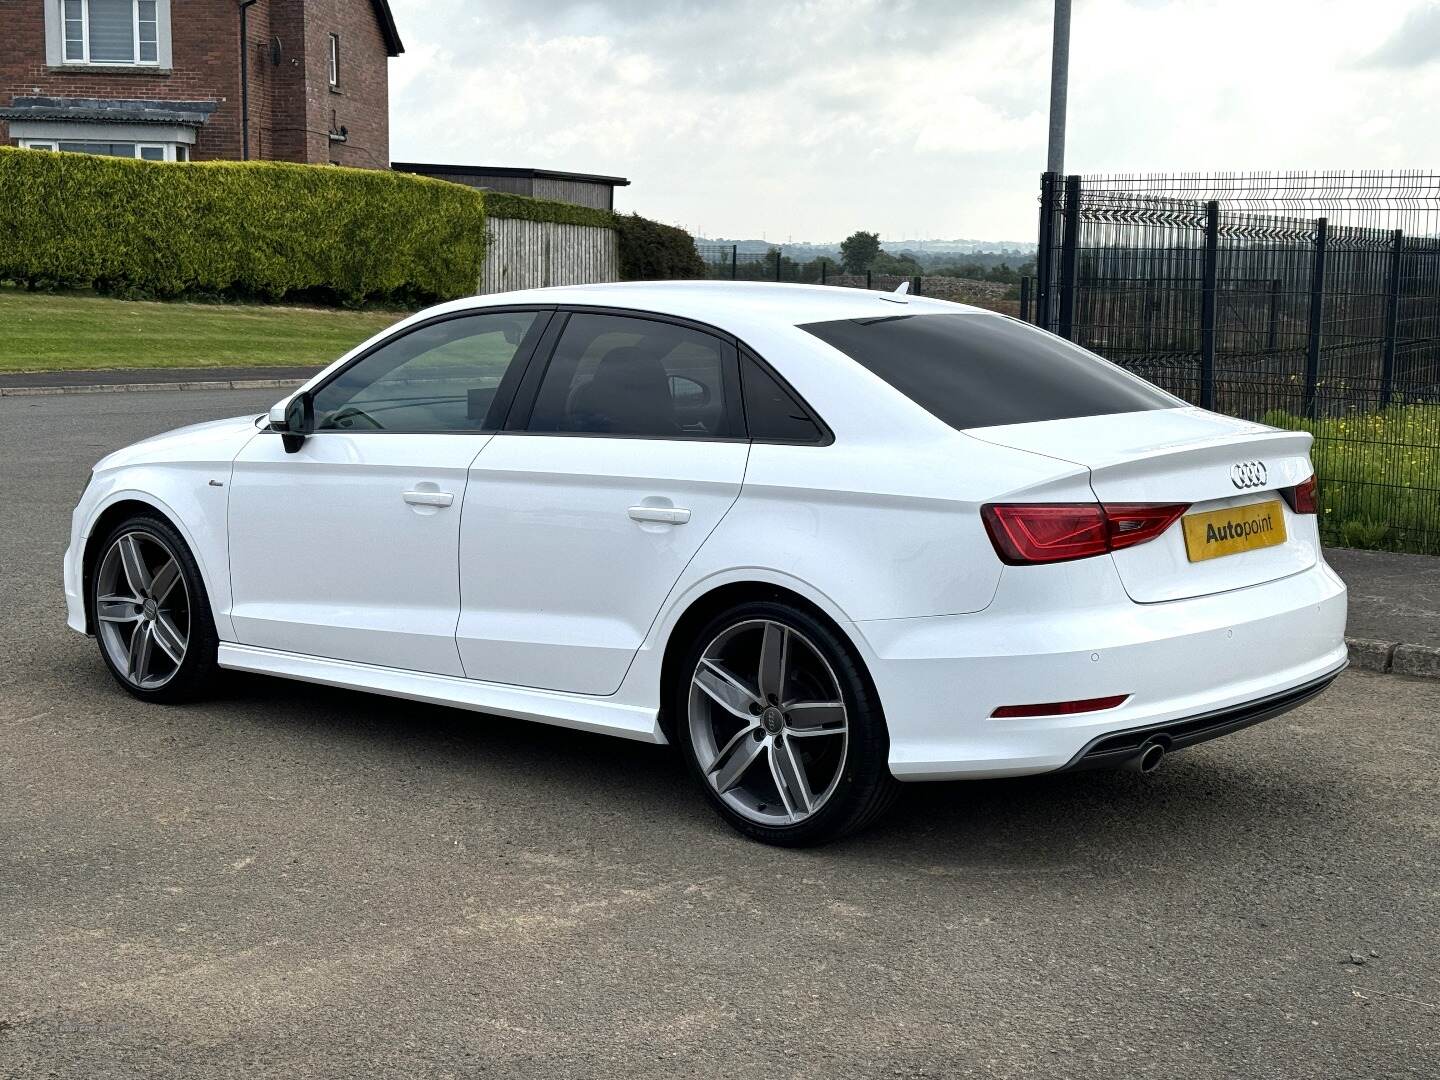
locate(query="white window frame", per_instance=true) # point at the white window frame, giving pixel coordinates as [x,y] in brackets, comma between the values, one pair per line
[334,60]
[53,145]
[56,10]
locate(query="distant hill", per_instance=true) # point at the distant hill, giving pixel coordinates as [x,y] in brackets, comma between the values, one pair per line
[814,249]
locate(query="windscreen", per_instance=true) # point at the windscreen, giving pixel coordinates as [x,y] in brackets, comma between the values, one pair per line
[980,370]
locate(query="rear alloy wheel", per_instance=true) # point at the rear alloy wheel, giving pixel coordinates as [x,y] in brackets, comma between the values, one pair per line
[151,616]
[782,728]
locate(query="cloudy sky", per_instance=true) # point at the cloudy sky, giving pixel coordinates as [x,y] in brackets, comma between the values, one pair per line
[808,119]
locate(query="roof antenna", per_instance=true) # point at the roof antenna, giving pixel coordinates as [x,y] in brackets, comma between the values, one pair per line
[898,296]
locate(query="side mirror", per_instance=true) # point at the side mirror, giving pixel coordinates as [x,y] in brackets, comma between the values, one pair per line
[294,420]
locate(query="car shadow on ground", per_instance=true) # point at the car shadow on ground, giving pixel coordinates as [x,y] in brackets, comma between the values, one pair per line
[1232,792]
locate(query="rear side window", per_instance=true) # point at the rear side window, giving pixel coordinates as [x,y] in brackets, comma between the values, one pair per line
[772,412]
[983,370]
[616,375]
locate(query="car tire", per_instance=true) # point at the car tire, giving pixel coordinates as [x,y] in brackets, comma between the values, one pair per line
[794,752]
[145,583]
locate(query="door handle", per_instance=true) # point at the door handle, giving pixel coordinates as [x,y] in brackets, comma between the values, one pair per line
[428,498]
[660,515]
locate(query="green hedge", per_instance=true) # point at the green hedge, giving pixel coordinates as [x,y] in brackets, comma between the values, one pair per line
[649,251]
[500,204]
[264,230]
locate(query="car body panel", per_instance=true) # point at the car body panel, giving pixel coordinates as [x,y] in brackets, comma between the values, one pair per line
[328,559]
[558,584]
[183,475]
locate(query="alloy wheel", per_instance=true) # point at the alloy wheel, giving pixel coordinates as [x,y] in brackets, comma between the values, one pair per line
[768,722]
[142,610]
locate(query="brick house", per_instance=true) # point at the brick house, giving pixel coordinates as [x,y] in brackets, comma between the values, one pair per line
[165,79]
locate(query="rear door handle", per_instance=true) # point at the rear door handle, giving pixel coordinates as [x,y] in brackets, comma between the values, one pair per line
[429,498]
[661,515]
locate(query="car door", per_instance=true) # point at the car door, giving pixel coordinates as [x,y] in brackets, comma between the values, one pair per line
[624,452]
[347,547]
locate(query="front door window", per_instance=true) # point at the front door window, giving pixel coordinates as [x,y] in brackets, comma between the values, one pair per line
[443,377]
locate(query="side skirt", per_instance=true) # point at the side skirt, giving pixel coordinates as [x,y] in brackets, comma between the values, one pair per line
[576,711]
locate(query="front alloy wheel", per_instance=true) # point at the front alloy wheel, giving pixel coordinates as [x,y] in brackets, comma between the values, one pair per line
[142,610]
[782,727]
[150,612]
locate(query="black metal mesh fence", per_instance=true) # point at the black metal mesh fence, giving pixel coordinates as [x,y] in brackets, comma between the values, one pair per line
[1300,300]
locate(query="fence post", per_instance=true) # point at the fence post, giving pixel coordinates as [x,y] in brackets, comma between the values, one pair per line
[1272,330]
[1043,273]
[1149,303]
[1069,257]
[1392,322]
[734,259]
[823,265]
[1025,299]
[1211,271]
[1317,318]
[777,264]
[919,284]
[867,278]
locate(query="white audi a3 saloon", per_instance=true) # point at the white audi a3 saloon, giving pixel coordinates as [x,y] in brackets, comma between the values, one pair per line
[823,540]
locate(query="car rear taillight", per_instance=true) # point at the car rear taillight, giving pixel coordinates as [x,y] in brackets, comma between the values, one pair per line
[1061,708]
[1304,498]
[1025,533]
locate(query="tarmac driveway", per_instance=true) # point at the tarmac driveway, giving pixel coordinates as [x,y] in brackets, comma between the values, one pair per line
[291,881]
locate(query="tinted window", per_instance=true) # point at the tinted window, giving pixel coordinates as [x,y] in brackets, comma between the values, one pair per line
[979,370]
[772,413]
[441,377]
[621,376]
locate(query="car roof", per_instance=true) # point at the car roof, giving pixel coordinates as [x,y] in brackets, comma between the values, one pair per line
[730,304]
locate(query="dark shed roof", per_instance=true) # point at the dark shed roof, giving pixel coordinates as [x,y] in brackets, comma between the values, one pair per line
[426,169]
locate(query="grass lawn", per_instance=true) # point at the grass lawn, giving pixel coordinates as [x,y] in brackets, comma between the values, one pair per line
[72,331]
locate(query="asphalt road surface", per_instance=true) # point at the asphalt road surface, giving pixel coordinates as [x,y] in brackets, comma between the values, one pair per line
[291,881]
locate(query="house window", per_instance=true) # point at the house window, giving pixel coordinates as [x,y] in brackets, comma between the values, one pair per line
[111,31]
[334,61]
[144,151]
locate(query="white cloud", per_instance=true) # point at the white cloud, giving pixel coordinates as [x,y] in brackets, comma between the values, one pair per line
[811,118]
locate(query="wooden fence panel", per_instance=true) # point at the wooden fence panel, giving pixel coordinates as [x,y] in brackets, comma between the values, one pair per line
[535,254]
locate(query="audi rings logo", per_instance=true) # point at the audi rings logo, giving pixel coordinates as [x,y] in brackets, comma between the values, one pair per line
[1248,474]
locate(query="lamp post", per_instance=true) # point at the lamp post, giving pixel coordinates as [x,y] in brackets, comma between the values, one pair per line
[1059,77]
[245,79]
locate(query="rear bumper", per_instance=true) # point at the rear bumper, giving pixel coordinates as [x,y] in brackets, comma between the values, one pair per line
[1112,751]
[1216,662]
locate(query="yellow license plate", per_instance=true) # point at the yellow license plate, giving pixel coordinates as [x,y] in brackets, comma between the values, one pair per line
[1228,532]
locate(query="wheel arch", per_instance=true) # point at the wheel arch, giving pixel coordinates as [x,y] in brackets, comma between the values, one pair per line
[121,506]
[702,608]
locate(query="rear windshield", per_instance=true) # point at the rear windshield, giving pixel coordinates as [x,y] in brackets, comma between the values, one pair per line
[983,370]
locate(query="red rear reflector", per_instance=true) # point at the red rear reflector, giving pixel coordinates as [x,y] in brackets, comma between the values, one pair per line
[1304,498]
[1055,532]
[1062,708]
